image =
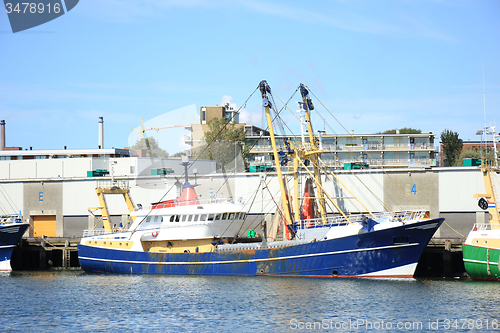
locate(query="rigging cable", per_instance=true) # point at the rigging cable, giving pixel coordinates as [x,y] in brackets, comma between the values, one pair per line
[8,199]
[365,151]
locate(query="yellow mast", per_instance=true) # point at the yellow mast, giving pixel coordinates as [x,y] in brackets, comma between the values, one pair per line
[489,186]
[299,154]
[313,153]
[265,89]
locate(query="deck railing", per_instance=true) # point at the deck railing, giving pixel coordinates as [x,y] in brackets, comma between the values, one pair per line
[482,226]
[406,216]
[108,184]
[10,219]
[101,231]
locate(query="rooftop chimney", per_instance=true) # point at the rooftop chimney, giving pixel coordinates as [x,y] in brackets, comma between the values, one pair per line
[2,134]
[101,133]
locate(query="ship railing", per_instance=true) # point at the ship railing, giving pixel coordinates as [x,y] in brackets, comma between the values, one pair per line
[176,203]
[258,245]
[10,218]
[101,231]
[108,184]
[481,226]
[405,216]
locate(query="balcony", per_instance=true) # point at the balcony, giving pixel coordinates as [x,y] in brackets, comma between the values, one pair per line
[373,163]
[354,147]
[259,149]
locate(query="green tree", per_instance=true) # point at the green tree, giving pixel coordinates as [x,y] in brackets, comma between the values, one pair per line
[452,147]
[223,142]
[150,145]
[404,130]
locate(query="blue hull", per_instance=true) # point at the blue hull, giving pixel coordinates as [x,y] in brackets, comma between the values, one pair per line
[363,254]
[10,234]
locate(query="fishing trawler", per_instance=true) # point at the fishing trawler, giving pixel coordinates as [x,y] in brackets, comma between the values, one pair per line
[481,249]
[185,236]
[11,230]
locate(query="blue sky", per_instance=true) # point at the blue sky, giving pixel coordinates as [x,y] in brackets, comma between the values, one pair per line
[376,65]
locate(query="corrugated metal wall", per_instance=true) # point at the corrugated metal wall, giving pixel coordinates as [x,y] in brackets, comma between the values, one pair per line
[457,187]
[461,223]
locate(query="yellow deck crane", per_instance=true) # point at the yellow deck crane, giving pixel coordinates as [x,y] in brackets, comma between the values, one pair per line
[113,187]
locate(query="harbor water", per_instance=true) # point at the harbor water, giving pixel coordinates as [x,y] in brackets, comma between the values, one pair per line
[66,301]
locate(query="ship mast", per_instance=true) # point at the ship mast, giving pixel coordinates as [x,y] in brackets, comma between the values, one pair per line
[314,151]
[490,195]
[265,90]
[489,200]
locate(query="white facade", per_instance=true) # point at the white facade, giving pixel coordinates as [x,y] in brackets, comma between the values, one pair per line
[60,187]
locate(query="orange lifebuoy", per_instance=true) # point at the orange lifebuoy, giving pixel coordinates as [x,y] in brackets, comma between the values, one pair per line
[154,233]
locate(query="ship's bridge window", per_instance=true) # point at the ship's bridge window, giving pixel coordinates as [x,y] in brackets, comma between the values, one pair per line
[189,218]
[183,218]
[203,217]
[174,218]
[231,216]
[224,216]
[153,219]
[217,217]
[210,217]
[149,221]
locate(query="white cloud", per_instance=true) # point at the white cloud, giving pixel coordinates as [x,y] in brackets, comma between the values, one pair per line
[351,16]
[246,117]
[250,118]
[338,14]
[229,100]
